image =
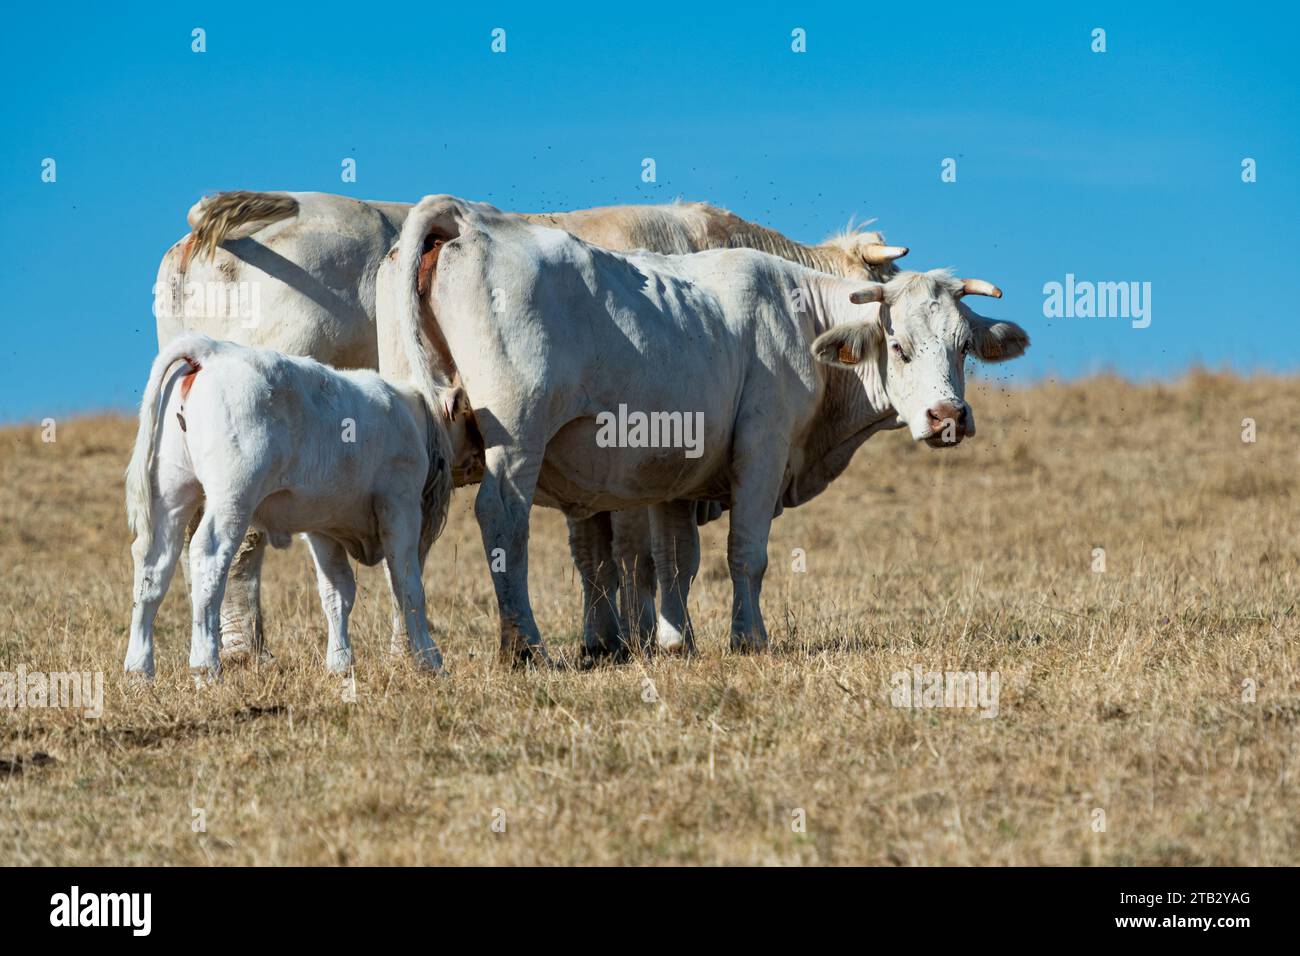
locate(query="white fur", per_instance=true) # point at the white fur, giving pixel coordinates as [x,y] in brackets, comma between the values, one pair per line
[548,331]
[284,445]
[315,277]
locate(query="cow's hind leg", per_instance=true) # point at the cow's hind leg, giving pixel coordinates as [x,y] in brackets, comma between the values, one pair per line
[399,527]
[242,636]
[156,554]
[504,500]
[212,549]
[338,591]
[677,560]
[397,642]
[589,541]
[634,555]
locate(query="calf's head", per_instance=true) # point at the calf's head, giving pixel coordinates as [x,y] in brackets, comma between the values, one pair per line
[910,350]
[463,434]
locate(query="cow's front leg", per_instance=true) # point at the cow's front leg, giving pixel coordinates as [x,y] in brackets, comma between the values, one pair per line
[504,500]
[634,556]
[755,491]
[590,542]
[242,636]
[677,561]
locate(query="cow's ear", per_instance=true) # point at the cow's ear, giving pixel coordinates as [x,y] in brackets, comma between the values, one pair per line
[849,344]
[997,341]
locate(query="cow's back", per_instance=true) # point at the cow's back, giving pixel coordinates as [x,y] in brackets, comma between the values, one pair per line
[551,329]
[304,285]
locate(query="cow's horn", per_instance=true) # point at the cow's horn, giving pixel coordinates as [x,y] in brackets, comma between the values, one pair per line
[877,254]
[872,293]
[979,287]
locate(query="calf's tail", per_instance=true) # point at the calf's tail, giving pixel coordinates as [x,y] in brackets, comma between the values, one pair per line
[194,350]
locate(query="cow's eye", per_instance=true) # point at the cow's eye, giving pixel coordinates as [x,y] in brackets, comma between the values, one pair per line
[898,350]
[966,347]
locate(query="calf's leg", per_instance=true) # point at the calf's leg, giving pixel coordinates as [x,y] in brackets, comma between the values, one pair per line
[338,592]
[156,554]
[212,549]
[399,527]
[242,636]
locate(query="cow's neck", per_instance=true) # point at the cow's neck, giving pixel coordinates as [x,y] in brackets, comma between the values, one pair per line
[853,406]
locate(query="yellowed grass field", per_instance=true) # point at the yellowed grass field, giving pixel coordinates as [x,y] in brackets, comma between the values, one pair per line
[1122,692]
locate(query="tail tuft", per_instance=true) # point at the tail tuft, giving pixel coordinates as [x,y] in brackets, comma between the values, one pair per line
[236,214]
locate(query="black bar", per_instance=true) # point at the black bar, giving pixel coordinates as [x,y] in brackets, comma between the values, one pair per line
[336,905]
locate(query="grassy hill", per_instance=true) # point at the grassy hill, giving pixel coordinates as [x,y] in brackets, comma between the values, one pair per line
[1158,697]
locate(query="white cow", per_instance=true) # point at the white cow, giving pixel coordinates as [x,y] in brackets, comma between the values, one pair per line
[788,369]
[284,445]
[296,272]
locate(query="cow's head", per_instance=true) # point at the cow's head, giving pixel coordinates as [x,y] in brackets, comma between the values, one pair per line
[863,254]
[911,350]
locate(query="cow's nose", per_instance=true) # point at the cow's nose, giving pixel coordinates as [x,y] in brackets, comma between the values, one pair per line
[941,414]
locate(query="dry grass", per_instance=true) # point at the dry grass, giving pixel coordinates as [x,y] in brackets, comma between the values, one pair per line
[1121,691]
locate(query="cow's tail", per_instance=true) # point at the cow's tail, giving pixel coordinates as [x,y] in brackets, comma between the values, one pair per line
[235,215]
[433,222]
[194,350]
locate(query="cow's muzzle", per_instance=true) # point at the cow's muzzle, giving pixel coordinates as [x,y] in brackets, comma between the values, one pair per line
[949,423]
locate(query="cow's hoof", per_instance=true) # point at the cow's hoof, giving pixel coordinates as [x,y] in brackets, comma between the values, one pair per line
[669,640]
[517,651]
[337,661]
[594,655]
[428,661]
[139,676]
[748,643]
[528,657]
[238,652]
[204,675]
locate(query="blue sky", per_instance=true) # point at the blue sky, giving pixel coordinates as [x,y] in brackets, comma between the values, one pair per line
[1115,166]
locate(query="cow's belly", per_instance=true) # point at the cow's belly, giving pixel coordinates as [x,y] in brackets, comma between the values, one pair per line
[588,469]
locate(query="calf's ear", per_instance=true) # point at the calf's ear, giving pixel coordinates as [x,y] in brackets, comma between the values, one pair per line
[455,404]
[849,344]
[997,341]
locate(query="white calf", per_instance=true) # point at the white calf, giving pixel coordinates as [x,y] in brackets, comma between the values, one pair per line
[284,445]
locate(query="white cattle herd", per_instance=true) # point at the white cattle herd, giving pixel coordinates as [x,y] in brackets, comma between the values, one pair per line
[502,342]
